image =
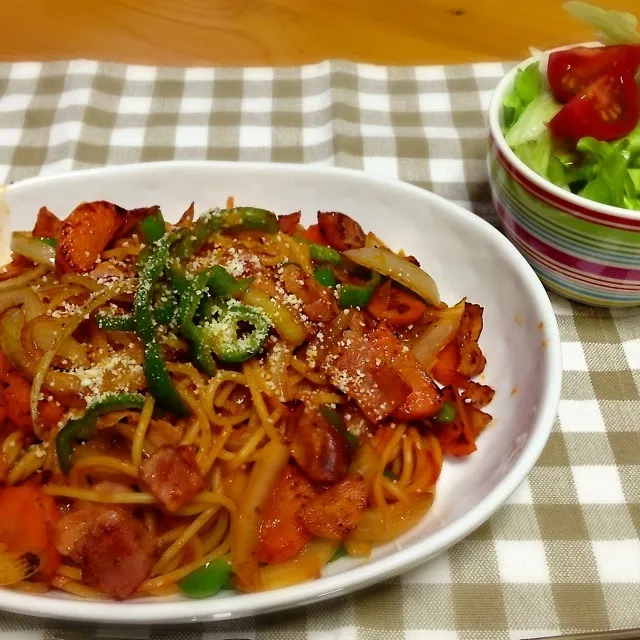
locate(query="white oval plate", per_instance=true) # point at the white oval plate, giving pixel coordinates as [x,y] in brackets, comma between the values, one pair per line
[465,255]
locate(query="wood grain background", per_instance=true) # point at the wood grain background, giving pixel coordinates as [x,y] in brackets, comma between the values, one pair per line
[285,32]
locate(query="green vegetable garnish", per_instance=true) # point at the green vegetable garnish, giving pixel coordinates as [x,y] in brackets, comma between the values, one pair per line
[52,242]
[325,276]
[155,368]
[447,413]
[526,89]
[351,295]
[321,253]
[341,552]
[390,475]
[206,581]
[237,332]
[152,227]
[112,322]
[336,421]
[85,427]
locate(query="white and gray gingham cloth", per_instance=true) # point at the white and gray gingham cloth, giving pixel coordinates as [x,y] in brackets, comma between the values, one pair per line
[563,554]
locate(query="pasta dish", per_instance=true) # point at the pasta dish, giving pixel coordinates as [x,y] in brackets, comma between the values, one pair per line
[230,402]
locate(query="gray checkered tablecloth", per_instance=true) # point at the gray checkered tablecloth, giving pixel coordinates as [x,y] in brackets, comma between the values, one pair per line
[563,554]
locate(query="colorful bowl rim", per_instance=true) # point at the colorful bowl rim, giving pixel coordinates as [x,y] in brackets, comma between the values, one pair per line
[497,137]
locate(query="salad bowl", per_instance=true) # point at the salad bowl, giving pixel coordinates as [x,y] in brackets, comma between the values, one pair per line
[585,250]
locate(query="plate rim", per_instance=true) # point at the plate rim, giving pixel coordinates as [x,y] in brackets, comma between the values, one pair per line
[361,576]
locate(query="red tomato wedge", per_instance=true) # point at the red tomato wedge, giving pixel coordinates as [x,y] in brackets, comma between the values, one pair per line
[607,109]
[571,71]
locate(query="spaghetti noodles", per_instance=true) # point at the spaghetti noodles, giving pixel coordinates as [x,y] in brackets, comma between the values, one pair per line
[221,403]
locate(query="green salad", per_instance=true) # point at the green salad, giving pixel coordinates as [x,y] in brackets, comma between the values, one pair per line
[573,117]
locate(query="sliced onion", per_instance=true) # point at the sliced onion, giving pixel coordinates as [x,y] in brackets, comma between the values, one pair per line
[11,298]
[437,335]
[382,524]
[399,269]
[26,245]
[71,324]
[11,325]
[44,331]
[372,241]
[23,279]
[84,281]
[56,382]
[33,306]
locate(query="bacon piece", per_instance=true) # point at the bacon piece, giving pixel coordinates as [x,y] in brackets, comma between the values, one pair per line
[173,476]
[116,552]
[318,302]
[359,367]
[335,513]
[341,231]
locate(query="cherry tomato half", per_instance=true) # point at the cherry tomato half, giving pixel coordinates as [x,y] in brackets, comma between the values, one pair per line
[571,71]
[607,109]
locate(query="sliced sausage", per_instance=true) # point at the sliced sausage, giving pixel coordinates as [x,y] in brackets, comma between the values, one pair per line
[117,553]
[341,231]
[335,513]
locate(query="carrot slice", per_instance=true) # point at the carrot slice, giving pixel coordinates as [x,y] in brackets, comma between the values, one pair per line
[26,516]
[315,235]
[17,399]
[282,534]
[87,231]
[445,371]
[399,308]
[5,367]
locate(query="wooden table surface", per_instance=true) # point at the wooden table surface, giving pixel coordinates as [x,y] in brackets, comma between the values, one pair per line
[285,32]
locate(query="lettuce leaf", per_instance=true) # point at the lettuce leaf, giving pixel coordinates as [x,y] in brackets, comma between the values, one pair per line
[612,27]
[525,90]
[532,123]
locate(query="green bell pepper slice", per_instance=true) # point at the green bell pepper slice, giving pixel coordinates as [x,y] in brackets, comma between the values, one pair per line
[152,228]
[447,413]
[351,295]
[249,218]
[206,581]
[85,427]
[192,291]
[336,421]
[325,276]
[223,285]
[232,318]
[155,368]
[112,322]
[52,242]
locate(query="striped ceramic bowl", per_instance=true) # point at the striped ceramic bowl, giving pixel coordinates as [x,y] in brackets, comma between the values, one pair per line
[584,250]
